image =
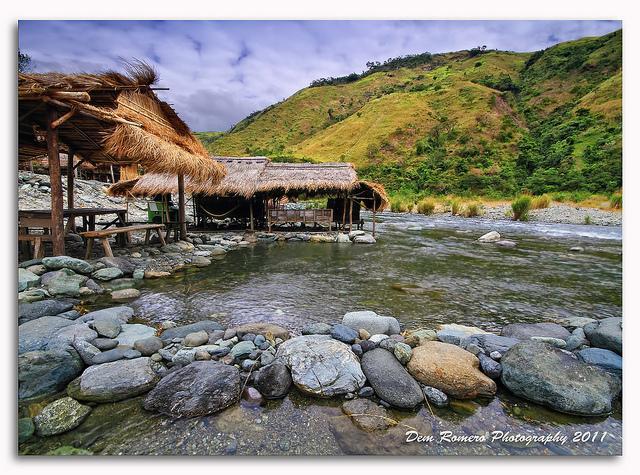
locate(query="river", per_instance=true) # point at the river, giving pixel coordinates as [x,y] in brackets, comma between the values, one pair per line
[423,271]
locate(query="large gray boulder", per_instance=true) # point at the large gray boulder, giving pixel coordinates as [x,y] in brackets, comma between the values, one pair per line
[114,381]
[49,307]
[524,331]
[184,330]
[321,366]
[35,334]
[606,333]
[121,263]
[42,373]
[547,375]
[62,262]
[26,279]
[201,388]
[64,282]
[64,338]
[390,380]
[372,322]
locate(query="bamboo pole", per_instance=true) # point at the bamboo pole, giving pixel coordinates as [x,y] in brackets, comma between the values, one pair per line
[181,207]
[57,205]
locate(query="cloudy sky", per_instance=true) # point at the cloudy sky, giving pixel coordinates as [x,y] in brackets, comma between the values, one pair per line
[220,71]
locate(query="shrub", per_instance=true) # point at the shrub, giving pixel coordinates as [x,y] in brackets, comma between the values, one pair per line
[521,206]
[455,207]
[400,205]
[472,209]
[540,202]
[616,201]
[587,219]
[426,206]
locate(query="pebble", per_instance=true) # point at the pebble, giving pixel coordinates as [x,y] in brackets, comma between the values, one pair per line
[104,344]
[496,355]
[435,396]
[402,352]
[366,391]
[357,349]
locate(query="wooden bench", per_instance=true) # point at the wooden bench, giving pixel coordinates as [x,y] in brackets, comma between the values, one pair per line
[105,234]
[37,239]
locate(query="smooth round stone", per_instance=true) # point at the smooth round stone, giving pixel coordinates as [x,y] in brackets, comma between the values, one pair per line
[378,338]
[259,340]
[343,333]
[366,391]
[196,339]
[105,344]
[364,334]
[248,365]
[148,346]
[202,355]
[229,333]
[388,344]
[252,396]
[357,349]
[265,346]
[318,328]
[157,357]
[248,337]
[131,354]
[496,355]
[367,345]
[402,352]
[125,294]
[165,325]
[435,396]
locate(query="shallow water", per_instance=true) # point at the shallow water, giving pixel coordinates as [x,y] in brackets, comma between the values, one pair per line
[424,271]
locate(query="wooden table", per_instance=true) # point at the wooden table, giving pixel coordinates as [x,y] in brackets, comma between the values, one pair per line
[118,231]
[41,218]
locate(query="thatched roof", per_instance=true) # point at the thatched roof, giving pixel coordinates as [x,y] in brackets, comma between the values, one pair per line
[117,119]
[249,176]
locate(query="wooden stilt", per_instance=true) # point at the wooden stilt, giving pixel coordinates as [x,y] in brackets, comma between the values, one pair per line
[374,216]
[107,247]
[57,205]
[181,208]
[89,248]
[350,214]
[71,222]
[344,213]
[113,177]
[251,215]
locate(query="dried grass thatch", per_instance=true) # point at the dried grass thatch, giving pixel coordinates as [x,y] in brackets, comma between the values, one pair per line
[251,176]
[117,119]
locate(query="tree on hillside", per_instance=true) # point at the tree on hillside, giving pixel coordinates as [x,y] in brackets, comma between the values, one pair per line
[24,62]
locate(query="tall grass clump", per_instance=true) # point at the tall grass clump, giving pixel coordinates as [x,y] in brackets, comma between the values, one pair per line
[426,206]
[400,205]
[521,206]
[540,202]
[615,201]
[472,209]
[455,207]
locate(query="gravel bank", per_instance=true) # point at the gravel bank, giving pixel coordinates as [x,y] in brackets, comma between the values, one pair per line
[561,213]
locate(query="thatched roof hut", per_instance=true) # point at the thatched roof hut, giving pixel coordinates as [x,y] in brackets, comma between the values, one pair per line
[112,118]
[249,176]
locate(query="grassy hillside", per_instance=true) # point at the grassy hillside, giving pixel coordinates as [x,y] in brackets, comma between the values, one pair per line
[470,122]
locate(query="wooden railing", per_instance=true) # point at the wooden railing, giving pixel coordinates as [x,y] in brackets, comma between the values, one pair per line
[305,216]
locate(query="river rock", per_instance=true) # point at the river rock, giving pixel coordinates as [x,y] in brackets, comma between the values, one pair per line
[32,295]
[266,329]
[200,261]
[66,262]
[489,342]
[201,388]
[606,333]
[605,359]
[453,333]
[60,416]
[575,322]
[108,327]
[122,313]
[124,295]
[546,375]
[124,265]
[36,334]
[422,336]
[365,239]
[366,415]
[65,283]
[119,353]
[390,380]
[155,274]
[46,372]
[148,346]
[184,330]
[317,328]
[107,273]
[402,352]
[489,366]
[435,396]
[378,338]
[343,333]
[27,279]
[506,243]
[491,236]
[321,366]
[524,331]
[196,338]
[31,311]
[450,369]
[371,322]
[26,428]
[86,351]
[273,381]
[132,332]
[104,344]
[114,381]
[557,342]
[63,338]
[242,349]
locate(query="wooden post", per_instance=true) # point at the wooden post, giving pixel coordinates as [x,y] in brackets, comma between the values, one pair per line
[344,213]
[350,214]
[251,214]
[57,205]
[71,223]
[181,207]
[113,177]
[374,216]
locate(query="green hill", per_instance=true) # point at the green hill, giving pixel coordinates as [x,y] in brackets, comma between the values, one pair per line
[469,122]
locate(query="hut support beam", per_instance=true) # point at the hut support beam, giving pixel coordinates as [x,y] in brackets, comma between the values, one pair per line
[181,207]
[350,214]
[251,226]
[57,205]
[344,213]
[71,223]
[374,216]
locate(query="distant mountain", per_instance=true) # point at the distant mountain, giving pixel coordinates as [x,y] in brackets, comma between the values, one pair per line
[473,121]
